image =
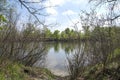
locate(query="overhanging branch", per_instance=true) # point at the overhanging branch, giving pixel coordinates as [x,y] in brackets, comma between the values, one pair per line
[31,12]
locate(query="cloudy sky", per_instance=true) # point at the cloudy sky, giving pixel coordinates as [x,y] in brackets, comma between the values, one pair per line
[65,14]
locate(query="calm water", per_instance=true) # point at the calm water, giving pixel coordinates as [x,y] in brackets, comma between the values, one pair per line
[78,54]
[56,58]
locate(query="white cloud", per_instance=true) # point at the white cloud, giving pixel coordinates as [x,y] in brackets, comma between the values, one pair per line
[34,0]
[57,2]
[51,11]
[69,24]
[69,12]
[54,12]
[50,20]
[79,1]
[51,4]
[61,2]
[54,2]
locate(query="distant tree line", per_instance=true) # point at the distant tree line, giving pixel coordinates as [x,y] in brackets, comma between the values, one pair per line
[31,33]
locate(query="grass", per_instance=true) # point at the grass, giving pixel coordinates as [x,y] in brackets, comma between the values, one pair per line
[41,73]
[97,72]
[11,71]
[14,71]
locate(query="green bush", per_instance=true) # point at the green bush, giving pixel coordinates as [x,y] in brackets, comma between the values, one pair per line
[11,71]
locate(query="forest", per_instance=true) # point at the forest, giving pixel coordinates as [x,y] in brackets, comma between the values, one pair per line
[27,49]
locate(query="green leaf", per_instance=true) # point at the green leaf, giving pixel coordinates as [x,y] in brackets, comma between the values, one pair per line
[1,28]
[2,18]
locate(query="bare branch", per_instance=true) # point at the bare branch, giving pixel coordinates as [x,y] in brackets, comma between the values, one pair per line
[30,2]
[31,12]
[111,0]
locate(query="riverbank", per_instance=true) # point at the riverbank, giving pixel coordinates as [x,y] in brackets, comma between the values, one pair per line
[15,71]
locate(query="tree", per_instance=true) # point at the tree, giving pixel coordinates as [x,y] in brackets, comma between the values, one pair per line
[29,30]
[2,16]
[47,33]
[56,34]
[111,5]
[33,10]
[63,35]
[2,5]
[2,21]
[67,32]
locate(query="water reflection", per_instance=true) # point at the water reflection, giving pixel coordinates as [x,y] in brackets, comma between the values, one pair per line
[78,54]
[89,54]
[56,59]
[61,58]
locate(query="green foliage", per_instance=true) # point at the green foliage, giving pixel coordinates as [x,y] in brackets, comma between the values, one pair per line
[116,52]
[69,34]
[56,47]
[15,71]
[67,31]
[97,72]
[11,71]
[105,33]
[86,32]
[2,18]
[48,33]
[66,34]
[2,76]
[56,34]
[1,28]
[37,72]
[63,35]
[31,31]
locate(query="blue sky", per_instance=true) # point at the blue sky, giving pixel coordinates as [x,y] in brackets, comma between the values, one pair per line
[65,14]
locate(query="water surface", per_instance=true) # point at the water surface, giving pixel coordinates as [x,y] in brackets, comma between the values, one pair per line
[56,58]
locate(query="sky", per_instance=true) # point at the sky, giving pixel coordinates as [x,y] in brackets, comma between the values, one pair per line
[65,13]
